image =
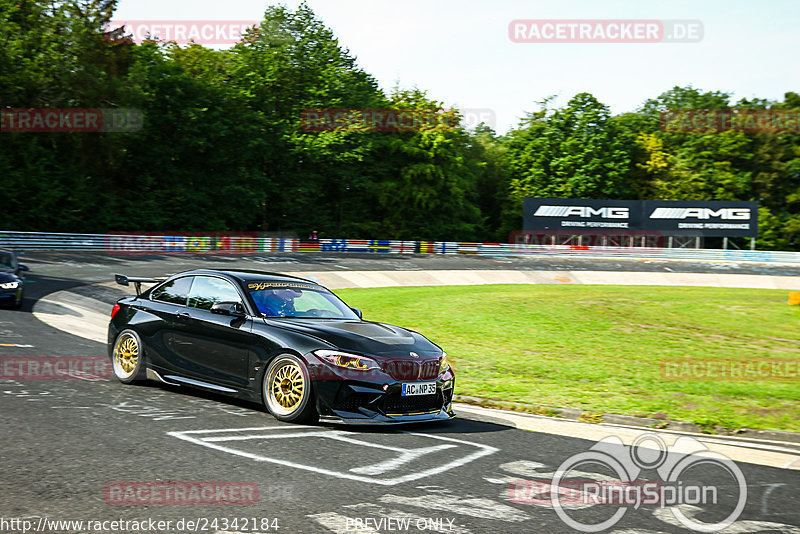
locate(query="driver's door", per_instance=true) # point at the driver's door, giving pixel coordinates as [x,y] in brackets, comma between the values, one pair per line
[215,348]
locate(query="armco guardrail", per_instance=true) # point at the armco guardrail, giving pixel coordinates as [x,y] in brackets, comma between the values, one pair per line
[247,244]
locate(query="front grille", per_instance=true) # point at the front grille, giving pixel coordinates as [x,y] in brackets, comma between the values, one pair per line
[397,404]
[351,401]
[411,370]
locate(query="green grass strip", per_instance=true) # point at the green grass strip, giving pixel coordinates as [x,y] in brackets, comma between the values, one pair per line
[602,348]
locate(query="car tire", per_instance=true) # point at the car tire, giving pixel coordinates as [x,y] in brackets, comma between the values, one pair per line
[287,391]
[18,303]
[127,358]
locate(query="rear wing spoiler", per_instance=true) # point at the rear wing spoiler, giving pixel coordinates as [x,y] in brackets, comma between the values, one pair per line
[137,282]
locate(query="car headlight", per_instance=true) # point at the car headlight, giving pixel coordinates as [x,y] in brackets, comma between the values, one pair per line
[444,365]
[347,360]
[9,285]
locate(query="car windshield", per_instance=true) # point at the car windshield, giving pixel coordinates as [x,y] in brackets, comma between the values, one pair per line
[298,300]
[6,260]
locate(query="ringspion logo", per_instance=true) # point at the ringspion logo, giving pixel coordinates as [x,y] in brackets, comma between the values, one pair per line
[617,485]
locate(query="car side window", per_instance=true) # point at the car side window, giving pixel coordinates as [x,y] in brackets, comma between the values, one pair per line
[174,292]
[8,260]
[207,291]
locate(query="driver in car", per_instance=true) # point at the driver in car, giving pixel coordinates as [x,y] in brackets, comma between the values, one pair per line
[277,302]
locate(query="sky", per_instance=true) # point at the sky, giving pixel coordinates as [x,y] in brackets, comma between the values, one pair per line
[459,51]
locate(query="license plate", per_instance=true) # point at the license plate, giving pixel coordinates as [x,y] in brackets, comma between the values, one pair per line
[419,388]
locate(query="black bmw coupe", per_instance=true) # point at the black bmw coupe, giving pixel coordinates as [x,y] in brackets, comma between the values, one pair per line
[283,341]
[12,279]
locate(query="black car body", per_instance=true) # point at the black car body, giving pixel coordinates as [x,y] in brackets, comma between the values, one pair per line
[283,341]
[12,279]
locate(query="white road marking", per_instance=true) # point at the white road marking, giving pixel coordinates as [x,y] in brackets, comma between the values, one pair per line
[250,429]
[154,412]
[231,410]
[770,489]
[473,507]
[263,436]
[206,439]
[435,490]
[404,458]
[80,318]
[9,334]
[524,468]
[792,463]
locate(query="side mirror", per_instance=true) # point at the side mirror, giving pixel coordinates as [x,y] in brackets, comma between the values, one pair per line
[358,312]
[23,267]
[233,309]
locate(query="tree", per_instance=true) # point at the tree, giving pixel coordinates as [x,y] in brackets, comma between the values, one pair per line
[574,152]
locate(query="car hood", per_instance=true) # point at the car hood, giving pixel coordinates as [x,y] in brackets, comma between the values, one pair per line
[8,276]
[362,336]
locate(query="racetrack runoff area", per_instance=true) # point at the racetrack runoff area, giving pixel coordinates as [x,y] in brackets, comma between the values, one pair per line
[715,357]
[325,479]
[658,343]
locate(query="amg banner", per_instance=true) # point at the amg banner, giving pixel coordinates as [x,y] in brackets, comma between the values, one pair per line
[661,217]
[710,218]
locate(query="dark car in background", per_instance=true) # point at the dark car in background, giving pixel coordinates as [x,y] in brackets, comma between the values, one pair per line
[283,341]
[12,279]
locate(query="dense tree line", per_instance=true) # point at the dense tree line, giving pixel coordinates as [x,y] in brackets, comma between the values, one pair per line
[222,147]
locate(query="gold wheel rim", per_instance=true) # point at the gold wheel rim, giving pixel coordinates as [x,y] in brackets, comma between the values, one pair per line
[286,387]
[126,355]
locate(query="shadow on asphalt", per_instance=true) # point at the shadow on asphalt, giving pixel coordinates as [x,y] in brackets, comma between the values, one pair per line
[37,287]
[453,426]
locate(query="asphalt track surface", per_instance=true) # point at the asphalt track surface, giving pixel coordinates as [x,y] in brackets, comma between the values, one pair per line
[64,443]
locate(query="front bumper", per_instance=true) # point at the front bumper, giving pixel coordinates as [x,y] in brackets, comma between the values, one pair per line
[376,398]
[11,294]
[378,419]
